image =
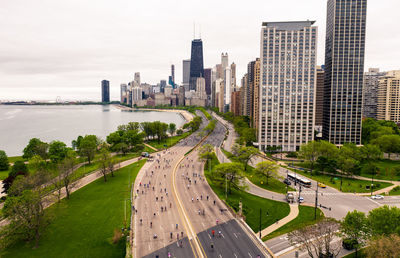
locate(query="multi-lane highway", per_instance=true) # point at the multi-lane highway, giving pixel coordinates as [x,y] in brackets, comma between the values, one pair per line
[178,215]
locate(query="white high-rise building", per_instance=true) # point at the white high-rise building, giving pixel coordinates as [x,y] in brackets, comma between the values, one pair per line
[288,79]
[224,61]
[136,94]
[228,87]
[186,74]
[137,79]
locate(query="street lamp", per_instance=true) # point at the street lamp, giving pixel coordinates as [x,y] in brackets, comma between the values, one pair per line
[316,203]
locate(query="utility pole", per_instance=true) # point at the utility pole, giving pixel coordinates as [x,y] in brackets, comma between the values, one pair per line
[316,203]
[299,193]
[260,223]
[372,184]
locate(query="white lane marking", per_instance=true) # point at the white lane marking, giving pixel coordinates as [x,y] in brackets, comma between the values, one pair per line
[235,235]
[203,224]
[222,235]
[220,255]
[250,255]
[235,255]
[209,236]
[149,247]
[379,204]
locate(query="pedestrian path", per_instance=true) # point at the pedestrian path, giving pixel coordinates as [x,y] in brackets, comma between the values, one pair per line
[294,211]
[151,147]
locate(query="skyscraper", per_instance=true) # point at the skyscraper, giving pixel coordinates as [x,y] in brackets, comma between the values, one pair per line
[196,63]
[105,91]
[370,92]
[388,107]
[256,95]
[173,75]
[224,60]
[207,77]
[286,103]
[227,89]
[124,89]
[137,79]
[163,83]
[319,97]
[344,70]
[185,74]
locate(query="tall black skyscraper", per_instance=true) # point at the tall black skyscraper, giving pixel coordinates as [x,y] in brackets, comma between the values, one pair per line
[196,63]
[344,70]
[105,91]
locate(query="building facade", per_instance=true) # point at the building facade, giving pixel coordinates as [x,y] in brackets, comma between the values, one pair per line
[319,96]
[388,106]
[186,73]
[344,71]
[256,96]
[288,57]
[196,63]
[370,92]
[105,91]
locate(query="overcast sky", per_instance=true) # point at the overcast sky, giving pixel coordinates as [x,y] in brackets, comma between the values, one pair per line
[51,48]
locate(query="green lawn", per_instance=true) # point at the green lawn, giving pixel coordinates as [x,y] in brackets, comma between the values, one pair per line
[4,174]
[395,191]
[84,225]
[273,185]
[349,185]
[385,169]
[171,141]
[305,218]
[360,254]
[15,158]
[271,210]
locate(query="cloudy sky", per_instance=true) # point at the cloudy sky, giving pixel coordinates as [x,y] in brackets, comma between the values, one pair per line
[51,48]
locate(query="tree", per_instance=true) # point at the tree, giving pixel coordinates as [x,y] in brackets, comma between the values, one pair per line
[121,147]
[179,132]
[206,152]
[57,151]
[24,208]
[370,152]
[267,169]
[19,169]
[232,173]
[371,169]
[104,160]
[4,164]
[75,143]
[388,143]
[384,246]
[114,138]
[327,164]
[309,152]
[317,239]
[354,228]
[111,166]
[66,172]
[384,220]
[244,154]
[88,147]
[172,128]
[35,147]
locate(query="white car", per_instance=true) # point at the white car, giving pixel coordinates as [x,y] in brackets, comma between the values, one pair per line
[377,197]
[301,199]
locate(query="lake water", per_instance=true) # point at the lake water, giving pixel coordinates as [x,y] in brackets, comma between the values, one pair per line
[18,124]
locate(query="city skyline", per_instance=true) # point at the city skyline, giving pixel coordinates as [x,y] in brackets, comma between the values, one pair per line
[70,68]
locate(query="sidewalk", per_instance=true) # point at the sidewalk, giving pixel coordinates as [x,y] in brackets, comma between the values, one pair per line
[294,211]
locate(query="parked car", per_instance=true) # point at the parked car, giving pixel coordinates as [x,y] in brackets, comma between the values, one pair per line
[321,185]
[301,199]
[377,197]
[286,181]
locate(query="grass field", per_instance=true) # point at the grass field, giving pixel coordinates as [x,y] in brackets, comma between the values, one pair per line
[171,141]
[395,191]
[15,158]
[273,185]
[83,226]
[385,172]
[349,185]
[360,254]
[305,218]
[4,174]
[271,210]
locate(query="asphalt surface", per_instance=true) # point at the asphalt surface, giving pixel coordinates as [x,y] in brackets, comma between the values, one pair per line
[195,197]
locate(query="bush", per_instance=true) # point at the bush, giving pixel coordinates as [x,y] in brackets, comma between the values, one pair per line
[292,155]
[349,244]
